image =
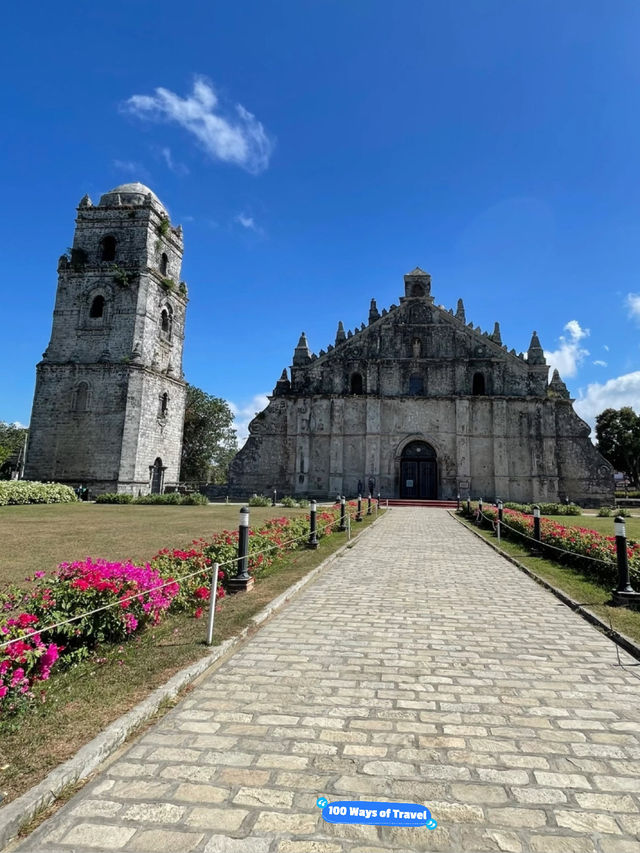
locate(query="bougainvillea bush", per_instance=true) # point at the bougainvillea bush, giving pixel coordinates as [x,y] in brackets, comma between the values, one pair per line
[117,599]
[592,552]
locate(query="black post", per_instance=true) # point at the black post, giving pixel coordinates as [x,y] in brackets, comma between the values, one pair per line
[343,521]
[536,523]
[359,512]
[500,511]
[624,593]
[313,539]
[274,497]
[458,500]
[480,508]
[243,580]
[369,504]
[469,505]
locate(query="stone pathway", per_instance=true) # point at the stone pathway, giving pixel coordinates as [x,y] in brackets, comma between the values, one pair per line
[421,667]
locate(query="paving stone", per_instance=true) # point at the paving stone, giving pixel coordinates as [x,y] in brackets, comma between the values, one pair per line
[169,841]
[500,710]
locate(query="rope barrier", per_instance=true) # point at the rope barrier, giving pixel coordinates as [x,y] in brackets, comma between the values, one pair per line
[548,544]
[139,595]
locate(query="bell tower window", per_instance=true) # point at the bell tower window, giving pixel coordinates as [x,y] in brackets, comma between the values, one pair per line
[357,385]
[164,405]
[108,248]
[81,397]
[166,321]
[164,262]
[97,308]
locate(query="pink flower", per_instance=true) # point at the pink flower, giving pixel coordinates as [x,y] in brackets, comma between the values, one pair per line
[3,691]
[18,675]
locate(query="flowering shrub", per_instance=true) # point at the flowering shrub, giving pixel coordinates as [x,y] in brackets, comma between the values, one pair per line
[32,492]
[117,599]
[582,547]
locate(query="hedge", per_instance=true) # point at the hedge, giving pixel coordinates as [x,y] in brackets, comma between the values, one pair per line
[32,492]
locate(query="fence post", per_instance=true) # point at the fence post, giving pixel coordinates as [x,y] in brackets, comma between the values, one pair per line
[313,538]
[480,509]
[469,505]
[359,512]
[458,500]
[348,527]
[500,516]
[243,580]
[624,593]
[536,523]
[369,504]
[274,497]
[343,521]
[212,603]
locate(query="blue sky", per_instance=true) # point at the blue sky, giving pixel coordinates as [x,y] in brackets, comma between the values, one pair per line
[314,152]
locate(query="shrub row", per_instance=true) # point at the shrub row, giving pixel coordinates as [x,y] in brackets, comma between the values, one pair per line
[32,492]
[590,551]
[546,509]
[171,498]
[139,595]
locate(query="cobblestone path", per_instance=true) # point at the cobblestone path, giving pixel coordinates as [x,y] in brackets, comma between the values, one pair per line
[421,667]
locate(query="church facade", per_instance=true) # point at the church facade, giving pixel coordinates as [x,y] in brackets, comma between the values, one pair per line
[419,404]
[108,407]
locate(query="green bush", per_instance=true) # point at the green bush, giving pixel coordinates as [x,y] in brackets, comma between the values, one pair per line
[31,492]
[174,498]
[195,499]
[604,512]
[303,503]
[259,500]
[288,501]
[545,508]
[113,498]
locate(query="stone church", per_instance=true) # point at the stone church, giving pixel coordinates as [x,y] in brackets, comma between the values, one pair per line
[419,404]
[108,408]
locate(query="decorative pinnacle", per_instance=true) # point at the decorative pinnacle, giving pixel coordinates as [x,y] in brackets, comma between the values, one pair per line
[496,334]
[302,354]
[374,314]
[535,353]
[340,334]
[460,311]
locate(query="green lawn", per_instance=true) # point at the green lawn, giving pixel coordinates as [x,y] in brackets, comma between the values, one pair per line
[38,537]
[602,525]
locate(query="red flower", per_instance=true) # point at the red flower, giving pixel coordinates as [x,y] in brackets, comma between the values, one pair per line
[198,613]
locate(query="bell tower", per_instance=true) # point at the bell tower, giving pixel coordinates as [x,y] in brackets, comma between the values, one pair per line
[108,407]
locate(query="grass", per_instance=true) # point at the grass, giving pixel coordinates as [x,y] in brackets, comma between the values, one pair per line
[582,588]
[38,537]
[602,525]
[83,700]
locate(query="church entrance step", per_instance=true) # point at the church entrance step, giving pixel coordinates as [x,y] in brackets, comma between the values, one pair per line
[426,503]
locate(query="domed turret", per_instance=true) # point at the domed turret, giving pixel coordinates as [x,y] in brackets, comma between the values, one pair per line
[135,194]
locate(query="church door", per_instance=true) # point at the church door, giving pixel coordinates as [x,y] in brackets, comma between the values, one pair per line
[157,477]
[418,472]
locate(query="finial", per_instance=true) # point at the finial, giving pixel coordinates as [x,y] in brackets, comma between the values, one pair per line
[535,353]
[85,201]
[340,334]
[301,354]
[374,314]
[496,334]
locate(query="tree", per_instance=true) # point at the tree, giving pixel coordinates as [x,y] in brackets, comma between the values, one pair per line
[209,442]
[618,439]
[11,446]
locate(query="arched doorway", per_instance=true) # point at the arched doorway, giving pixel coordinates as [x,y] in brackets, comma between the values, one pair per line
[418,472]
[157,477]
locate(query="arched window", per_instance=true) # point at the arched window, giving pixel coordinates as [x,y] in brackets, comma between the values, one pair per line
[166,321]
[478,384]
[156,472]
[97,307]
[164,404]
[108,248]
[164,261]
[81,397]
[416,385]
[357,386]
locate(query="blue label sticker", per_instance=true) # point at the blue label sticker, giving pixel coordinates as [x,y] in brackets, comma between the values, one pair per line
[376,814]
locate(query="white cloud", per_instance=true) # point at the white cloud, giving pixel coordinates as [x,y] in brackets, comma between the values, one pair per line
[247,222]
[633,304]
[599,363]
[569,355]
[605,347]
[237,137]
[245,412]
[612,394]
[177,168]
[130,167]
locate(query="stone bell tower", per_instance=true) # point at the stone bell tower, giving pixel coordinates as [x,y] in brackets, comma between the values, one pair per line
[108,408]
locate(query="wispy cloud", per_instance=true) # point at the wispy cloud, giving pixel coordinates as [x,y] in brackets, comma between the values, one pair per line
[570,354]
[633,304]
[599,363]
[612,394]
[245,412]
[247,222]
[233,136]
[177,168]
[130,167]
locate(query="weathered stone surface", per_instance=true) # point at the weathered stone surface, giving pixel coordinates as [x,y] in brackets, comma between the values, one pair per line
[488,422]
[169,841]
[100,417]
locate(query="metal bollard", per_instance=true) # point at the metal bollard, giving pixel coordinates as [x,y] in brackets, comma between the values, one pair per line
[359,512]
[458,500]
[313,538]
[348,527]
[480,508]
[369,504]
[274,497]
[243,545]
[343,523]
[624,593]
[536,523]
[499,524]
[469,505]
[212,603]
